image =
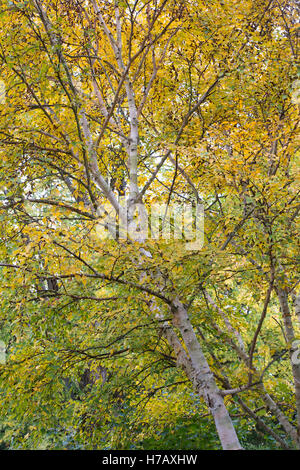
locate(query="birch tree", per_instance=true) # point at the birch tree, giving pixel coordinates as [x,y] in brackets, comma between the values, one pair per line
[115,105]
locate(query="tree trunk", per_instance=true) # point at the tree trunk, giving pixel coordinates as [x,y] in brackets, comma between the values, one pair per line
[290,335]
[203,379]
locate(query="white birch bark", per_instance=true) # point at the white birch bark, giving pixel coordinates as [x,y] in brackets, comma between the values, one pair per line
[203,379]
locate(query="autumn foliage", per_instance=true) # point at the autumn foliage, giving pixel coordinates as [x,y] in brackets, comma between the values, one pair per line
[122,343]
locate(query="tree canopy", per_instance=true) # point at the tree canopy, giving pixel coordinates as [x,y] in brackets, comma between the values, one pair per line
[128,342]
